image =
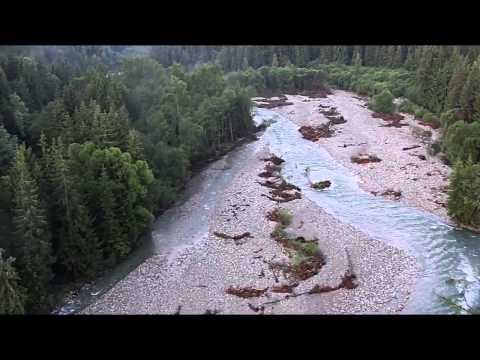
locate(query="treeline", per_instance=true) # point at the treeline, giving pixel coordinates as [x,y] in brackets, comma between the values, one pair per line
[90,152]
[275,79]
[235,58]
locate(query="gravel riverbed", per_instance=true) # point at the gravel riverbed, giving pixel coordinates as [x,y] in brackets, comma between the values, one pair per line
[422,179]
[194,281]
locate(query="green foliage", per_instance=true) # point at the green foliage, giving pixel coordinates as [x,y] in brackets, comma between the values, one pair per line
[448,118]
[285,216]
[33,234]
[464,194]
[407,106]
[383,102]
[462,141]
[7,149]
[11,294]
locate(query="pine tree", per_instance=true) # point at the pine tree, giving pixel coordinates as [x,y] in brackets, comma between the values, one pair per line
[12,297]
[470,90]
[357,61]
[456,83]
[34,248]
[7,148]
[115,241]
[79,251]
[135,145]
[20,113]
[275,60]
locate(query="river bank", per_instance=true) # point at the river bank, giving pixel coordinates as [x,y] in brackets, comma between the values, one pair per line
[195,278]
[405,167]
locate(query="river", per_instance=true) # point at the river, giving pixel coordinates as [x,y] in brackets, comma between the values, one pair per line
[449,257]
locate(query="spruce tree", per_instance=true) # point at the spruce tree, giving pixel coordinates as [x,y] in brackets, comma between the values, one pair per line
[7,149]
[33,234]
[79,251]
[470,90]
[12,297]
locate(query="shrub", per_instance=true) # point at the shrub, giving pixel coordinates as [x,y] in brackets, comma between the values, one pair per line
[407,107]
[428,117]
[383,102]
[419,112]
[448,118]
[285,217]
[435,148]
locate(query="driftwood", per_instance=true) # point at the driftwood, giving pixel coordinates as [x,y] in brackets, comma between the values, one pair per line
[411,147]
[246,292]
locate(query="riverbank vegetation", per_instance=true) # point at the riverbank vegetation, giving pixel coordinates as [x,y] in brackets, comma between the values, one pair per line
[97,140]
[90,151]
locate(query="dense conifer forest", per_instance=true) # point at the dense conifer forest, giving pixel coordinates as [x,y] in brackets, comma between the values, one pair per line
[96,141]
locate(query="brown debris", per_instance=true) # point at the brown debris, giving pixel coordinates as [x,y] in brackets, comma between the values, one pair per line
[364,159]
[321,184]
[330,112]
[281,190]
[236,238]
[284,288]
[394,120]
[246,292]
[275,160]
[434,124]
[270,104]
[395,194]
[308,268]
[348,281]
[256,308]
[314,133]
[336,120]
[283,185]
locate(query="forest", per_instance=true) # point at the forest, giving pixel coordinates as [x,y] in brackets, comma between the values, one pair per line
[96,141]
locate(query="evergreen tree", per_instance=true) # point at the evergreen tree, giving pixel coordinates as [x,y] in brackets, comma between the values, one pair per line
[7,148]
[470,90]
[34,248]
[11,294]
[275,60]
[20,112]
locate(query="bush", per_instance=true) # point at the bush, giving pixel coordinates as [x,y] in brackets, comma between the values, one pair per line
[419,112]
[383,102]
[448,118]
[428,117]
[407,107]
[434,148]
[285,217]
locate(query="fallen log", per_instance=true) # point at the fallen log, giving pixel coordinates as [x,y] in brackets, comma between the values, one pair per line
[411,147]
[365,159]
[246,292]
[235,237]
